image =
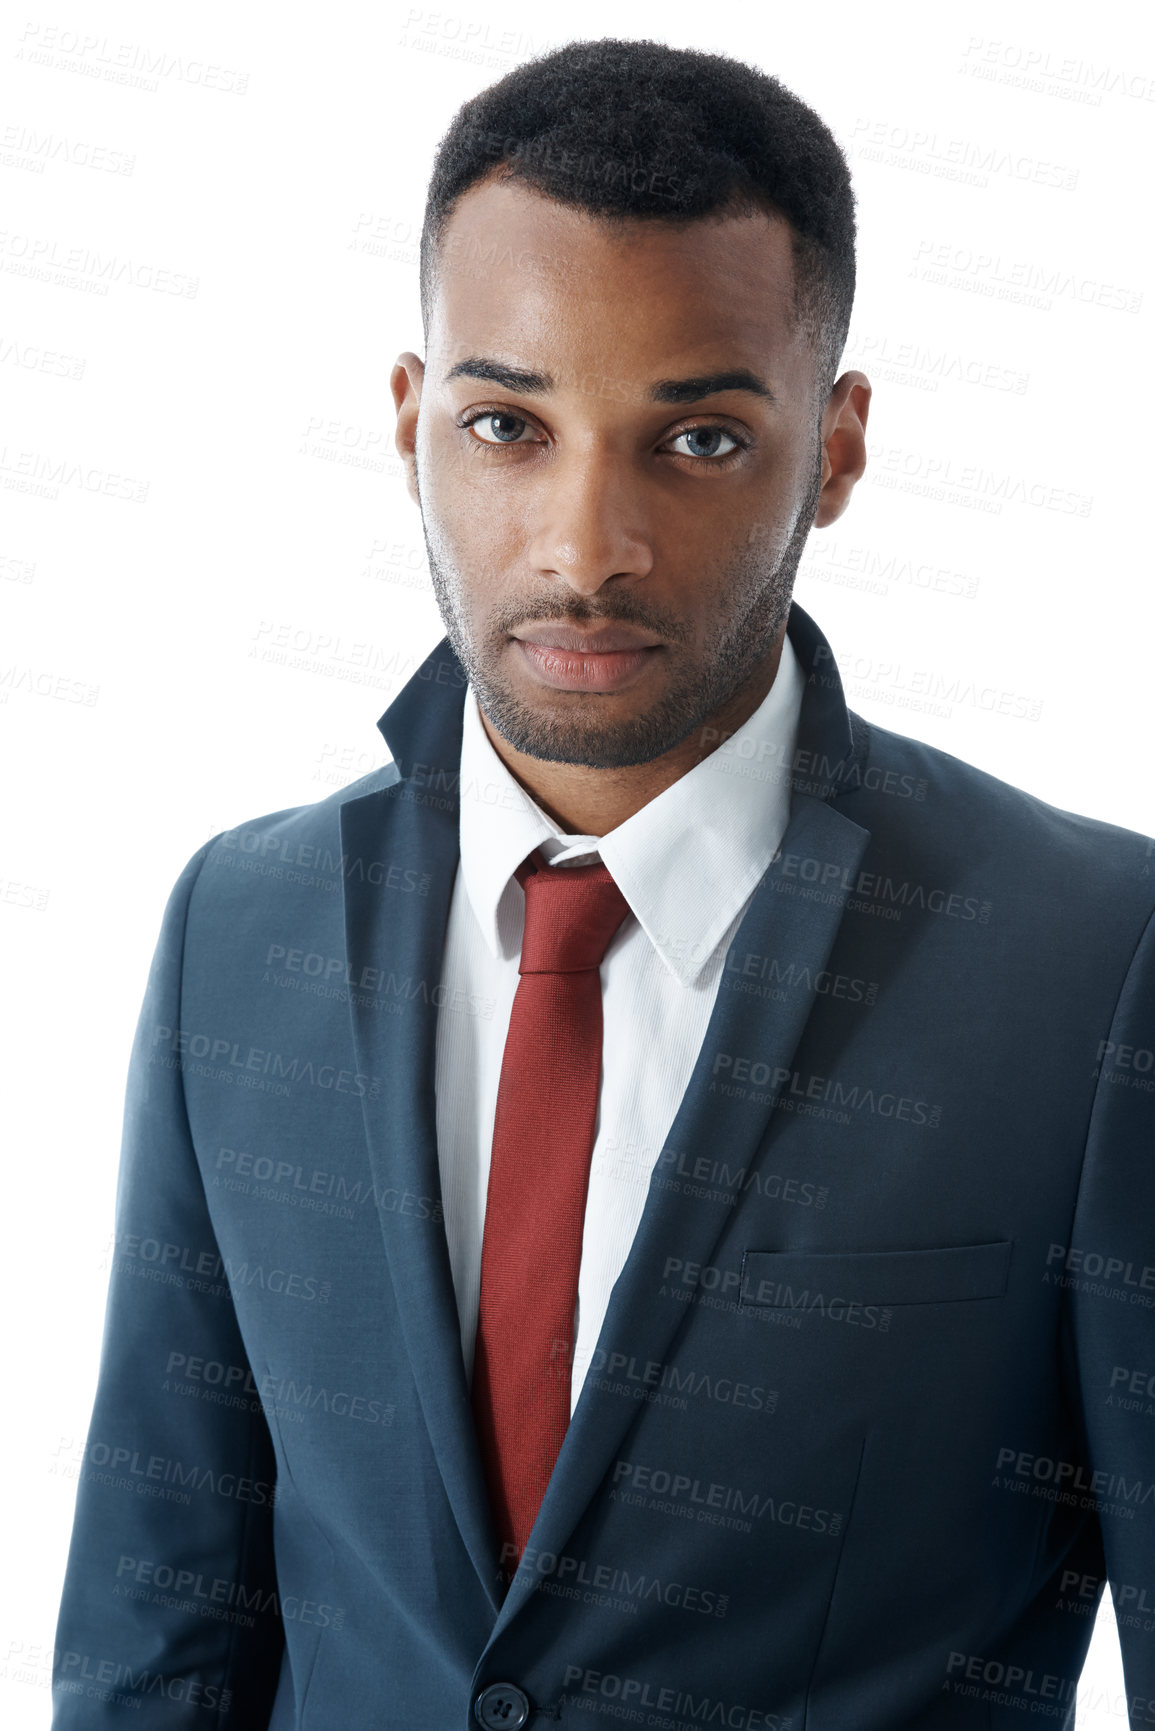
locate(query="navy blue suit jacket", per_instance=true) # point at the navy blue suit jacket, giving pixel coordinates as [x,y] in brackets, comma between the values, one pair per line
[872,1418]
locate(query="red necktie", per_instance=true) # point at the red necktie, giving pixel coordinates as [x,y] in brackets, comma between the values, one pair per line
[543,1136]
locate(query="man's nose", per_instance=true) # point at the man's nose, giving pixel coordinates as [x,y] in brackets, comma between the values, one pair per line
[590,522]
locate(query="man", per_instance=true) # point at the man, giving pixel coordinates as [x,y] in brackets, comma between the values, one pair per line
[642,1209]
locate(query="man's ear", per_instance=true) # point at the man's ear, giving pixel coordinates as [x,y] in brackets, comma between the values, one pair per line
[843,445]
[405,382]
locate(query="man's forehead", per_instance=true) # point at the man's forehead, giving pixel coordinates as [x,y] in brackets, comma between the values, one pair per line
[516,266]
[506,227]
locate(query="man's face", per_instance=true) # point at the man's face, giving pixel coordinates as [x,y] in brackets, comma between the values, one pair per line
[645,455]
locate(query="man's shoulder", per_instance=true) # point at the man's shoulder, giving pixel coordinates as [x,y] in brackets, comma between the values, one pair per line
[919,794]
[297,848]
[315,820]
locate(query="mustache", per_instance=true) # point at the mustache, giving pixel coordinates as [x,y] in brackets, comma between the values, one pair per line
[508,621]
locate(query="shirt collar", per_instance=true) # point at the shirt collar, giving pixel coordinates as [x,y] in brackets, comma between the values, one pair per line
[686,862]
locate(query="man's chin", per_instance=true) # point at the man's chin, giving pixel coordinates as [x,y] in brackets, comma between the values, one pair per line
[593,730]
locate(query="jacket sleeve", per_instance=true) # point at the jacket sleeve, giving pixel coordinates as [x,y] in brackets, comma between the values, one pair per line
[169,1616]
[1109,1280]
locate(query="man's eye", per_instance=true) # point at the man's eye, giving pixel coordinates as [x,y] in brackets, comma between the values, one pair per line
[495,428]
[704,442]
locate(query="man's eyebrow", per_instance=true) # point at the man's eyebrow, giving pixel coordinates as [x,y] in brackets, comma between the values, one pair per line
[531,383]
[521,379]
[708,384]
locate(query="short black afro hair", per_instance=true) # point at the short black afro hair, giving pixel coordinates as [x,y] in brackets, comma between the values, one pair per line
[639,129]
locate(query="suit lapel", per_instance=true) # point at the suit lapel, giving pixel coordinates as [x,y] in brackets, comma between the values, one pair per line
[412,826]
[829,758]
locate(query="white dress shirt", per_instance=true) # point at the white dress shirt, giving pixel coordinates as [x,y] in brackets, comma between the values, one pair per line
[687,863]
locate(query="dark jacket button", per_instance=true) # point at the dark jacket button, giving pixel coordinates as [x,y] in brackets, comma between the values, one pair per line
[502,1707]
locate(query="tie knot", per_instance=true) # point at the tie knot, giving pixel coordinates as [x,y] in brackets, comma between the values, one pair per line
[571,913]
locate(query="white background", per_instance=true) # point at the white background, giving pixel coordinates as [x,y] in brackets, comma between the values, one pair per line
[272,165]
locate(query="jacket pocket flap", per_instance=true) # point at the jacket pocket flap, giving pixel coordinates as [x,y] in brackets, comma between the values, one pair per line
[798,1279]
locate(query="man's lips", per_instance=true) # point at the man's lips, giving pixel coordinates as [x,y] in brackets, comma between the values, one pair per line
[567,669]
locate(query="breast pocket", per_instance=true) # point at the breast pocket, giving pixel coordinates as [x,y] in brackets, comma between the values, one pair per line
[806,1279]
